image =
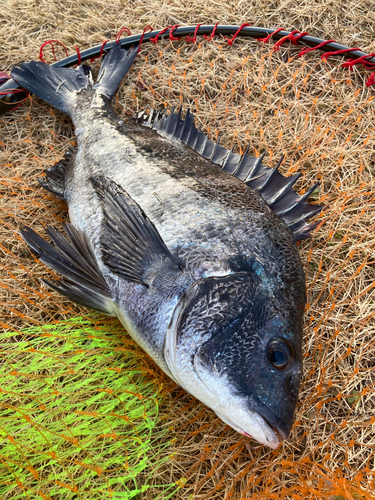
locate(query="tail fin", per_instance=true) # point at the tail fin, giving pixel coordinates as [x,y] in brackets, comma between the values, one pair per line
[59,86]
[113,69]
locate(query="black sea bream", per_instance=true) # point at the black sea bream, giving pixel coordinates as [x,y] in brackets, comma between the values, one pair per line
[191,246]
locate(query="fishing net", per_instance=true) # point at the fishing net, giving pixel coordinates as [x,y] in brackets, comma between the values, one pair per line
[57,386]
[112,407]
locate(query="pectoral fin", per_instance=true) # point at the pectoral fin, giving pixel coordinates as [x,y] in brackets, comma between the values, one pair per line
[132,246]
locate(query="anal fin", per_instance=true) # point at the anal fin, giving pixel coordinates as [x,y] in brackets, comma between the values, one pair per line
[74,259]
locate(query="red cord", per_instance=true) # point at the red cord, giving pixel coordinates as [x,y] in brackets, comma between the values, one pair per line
[210,37]
[122,30]
[231,40]
[194,39]
[171,37]
[268,37]
[326,55]
[360,60]
[102,48]
[297,38]
[309,49]
[154,40]
[370,80]
[150,28]
[351,62]
[53,49]
[78,55]
[293,37]
[100,53]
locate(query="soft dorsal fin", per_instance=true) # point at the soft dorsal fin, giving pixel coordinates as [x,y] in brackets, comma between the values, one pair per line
[275,189]
[54,177]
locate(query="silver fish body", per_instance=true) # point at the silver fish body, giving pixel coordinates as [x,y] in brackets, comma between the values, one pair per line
[200,270]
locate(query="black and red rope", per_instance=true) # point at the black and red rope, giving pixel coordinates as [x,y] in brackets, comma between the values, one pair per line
[194,38]
[210,37]
[11,93]
[92,59]
[230,41]
[170,30]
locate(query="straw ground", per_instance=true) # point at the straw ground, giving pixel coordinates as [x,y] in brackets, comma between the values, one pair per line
[317,113]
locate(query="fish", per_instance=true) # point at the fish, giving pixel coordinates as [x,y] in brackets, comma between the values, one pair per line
[193,247]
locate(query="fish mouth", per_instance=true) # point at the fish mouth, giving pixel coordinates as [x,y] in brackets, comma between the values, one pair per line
[272,426]
[276,423]
[268,436]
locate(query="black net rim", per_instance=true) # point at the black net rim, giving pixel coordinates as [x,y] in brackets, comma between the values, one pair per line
[12,94]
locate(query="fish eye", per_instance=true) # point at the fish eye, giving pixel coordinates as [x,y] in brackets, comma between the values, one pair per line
[280,354]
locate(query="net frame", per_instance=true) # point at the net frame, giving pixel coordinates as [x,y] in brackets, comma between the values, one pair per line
[11,93]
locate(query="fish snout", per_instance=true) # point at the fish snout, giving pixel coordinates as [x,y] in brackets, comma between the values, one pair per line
[277,424]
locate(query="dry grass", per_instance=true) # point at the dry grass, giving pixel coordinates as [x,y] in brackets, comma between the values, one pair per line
[317,113]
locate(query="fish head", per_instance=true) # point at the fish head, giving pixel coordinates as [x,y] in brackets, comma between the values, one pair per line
[237,347]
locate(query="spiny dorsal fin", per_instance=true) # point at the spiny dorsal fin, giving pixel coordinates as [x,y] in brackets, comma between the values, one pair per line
[75,260]
[275,189]
[132,247]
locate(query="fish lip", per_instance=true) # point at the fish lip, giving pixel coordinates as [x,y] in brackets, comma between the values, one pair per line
[272,444]
[276,423]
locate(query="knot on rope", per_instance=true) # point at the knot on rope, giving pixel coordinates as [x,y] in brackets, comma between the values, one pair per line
[122,30]
[171,29]
[194,39]
[360,60]
[78,55]
[100,53]
[294,37]
[146,28]
[370,80]
[268,37]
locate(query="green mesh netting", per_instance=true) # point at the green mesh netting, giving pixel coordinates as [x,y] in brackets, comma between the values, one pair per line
[79,414]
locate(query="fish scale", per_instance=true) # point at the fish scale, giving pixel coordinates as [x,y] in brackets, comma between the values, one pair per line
[192,246]
[174,224]
[185,212]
